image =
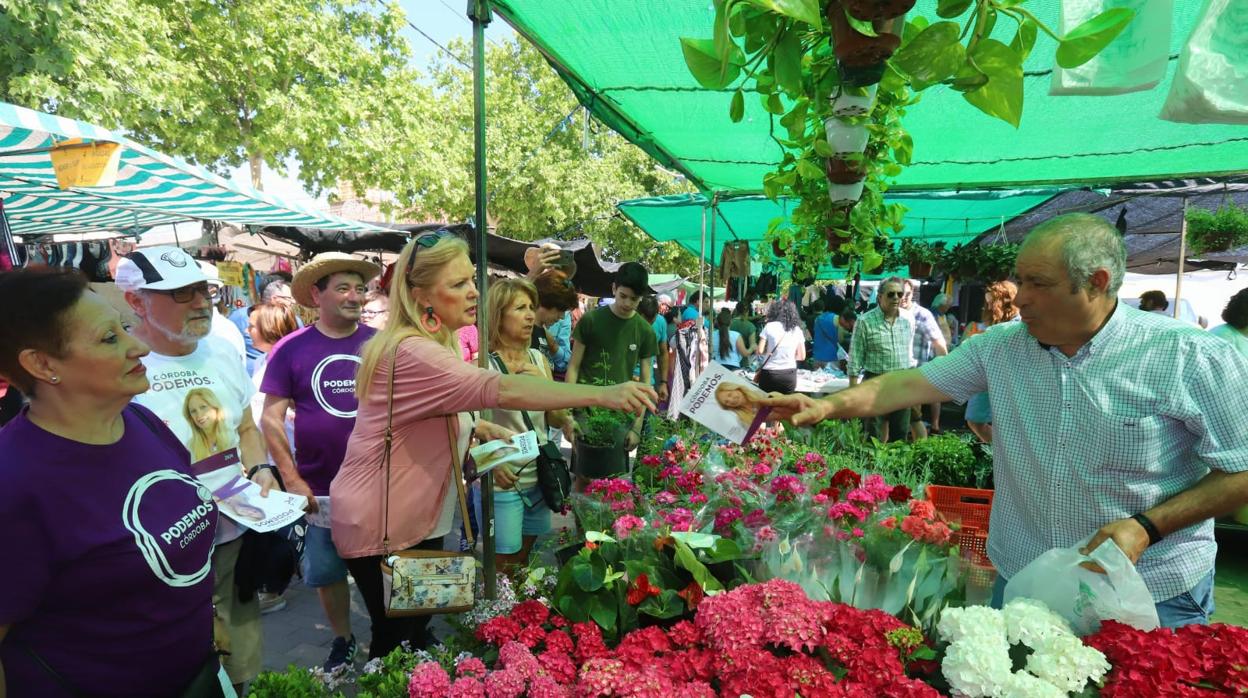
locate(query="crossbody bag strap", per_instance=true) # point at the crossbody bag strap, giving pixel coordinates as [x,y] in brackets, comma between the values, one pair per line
[770,352]
[502,367]
[457,472]
[388,441]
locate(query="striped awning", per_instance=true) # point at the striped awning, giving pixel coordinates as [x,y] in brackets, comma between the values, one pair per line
[151,189]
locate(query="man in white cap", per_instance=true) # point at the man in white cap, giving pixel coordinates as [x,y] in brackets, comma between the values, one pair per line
[201,390]
[314,368]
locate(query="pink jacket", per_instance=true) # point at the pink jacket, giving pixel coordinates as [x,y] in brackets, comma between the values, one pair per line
[431,383]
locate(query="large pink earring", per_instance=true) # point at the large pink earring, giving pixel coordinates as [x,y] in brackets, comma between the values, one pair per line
[431,322]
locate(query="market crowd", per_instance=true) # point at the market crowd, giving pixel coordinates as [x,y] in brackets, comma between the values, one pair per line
[129,576]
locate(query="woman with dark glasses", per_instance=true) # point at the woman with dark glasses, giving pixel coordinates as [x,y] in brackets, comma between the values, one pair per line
[430,301]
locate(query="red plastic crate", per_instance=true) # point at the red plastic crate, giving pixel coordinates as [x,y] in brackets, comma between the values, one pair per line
[968,507]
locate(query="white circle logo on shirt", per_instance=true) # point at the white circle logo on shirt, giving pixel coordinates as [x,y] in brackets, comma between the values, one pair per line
[336,393]
[181,532]
[632,347]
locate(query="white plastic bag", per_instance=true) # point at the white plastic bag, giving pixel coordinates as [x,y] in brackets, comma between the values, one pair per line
[1136,60]
[1083,597]
[1211,85]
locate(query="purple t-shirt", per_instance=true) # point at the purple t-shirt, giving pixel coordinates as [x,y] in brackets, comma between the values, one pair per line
[317,373]
[107,553]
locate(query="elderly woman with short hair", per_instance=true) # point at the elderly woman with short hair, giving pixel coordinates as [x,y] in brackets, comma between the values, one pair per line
[107,538]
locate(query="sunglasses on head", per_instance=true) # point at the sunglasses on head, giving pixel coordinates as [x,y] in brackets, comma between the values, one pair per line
[426,240]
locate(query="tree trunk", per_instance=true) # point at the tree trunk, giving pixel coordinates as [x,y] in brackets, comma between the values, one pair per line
[257,168]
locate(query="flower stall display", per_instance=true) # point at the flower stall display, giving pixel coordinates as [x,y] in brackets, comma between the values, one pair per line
[787,512]
[763,640]
[1022,651]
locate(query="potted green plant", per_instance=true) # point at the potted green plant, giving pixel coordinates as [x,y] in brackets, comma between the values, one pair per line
[996,262]
[919,256]
[599,448]
[1217,231]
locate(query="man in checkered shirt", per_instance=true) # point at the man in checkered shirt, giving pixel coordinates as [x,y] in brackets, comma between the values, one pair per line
[1109,421]
[883,341]
[929,342]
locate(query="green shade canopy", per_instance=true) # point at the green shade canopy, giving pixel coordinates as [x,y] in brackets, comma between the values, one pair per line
[151,189]
[932,216]
[623,59]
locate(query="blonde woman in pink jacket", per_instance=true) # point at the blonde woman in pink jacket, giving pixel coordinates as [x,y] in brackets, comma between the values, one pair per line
[433,297]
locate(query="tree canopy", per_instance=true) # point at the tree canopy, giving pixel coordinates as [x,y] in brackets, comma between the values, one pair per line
[329,84]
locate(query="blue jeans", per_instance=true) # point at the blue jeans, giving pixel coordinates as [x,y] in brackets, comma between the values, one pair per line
[321,564]
[1194,607]
[517,514]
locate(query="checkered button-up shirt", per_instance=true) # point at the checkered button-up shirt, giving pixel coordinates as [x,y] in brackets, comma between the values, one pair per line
[880,346]
[926,331]
[1138,415]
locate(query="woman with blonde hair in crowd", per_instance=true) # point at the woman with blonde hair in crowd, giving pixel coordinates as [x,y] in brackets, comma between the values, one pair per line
[520,513]
[430,417]
[209,429]
[998,308]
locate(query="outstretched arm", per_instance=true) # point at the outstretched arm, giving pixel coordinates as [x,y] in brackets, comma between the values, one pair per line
[888,393]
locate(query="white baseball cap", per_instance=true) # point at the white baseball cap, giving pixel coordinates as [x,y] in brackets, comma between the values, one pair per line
[210,273]
[664,298]
[158,269]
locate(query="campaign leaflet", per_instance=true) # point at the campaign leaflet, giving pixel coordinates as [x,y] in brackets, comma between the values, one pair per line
[518,450]
[239,498]
[725,403]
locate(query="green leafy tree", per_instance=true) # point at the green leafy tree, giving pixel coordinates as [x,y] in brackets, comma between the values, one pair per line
[219,82]
[548,173]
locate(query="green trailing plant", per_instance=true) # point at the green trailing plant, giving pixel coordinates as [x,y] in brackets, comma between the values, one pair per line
[975,262]
[786,54]
[1215,231]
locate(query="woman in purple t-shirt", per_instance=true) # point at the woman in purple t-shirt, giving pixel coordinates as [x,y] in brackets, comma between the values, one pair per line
[107,538]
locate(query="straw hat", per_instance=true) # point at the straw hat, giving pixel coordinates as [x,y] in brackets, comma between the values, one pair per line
[322,266]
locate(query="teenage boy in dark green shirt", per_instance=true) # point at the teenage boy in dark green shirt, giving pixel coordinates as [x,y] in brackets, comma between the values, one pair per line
[609,342]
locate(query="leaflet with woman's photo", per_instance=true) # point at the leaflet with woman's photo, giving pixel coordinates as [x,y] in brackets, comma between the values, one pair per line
[518,450]
[726,404]
[239,498]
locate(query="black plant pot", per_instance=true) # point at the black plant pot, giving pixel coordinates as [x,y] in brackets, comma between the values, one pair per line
[599,461]
[567,552]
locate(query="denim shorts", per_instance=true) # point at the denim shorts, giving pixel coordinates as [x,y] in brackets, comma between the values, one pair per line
[514,518]
[321,564]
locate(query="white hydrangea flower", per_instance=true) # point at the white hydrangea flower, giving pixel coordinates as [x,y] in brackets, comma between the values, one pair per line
[1065,662]
[958,623]
[1020,684]
[1030,622]
[977,665]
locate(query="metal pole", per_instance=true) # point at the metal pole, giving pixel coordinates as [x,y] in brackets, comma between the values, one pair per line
[714,215]
[479,13]
[702,266]
[1178,280]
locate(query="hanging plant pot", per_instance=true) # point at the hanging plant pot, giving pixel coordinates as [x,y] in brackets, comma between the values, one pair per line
[872,10]
[840,260]
[857,50]
[842,171]
[861,77]
[920,270]
[845,194]
[844,137]
[854,102]
[776,249]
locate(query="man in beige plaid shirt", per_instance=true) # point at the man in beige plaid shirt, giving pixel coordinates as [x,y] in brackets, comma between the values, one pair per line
[1109,421]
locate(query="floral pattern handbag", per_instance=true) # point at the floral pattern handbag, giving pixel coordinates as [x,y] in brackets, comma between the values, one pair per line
[425,582]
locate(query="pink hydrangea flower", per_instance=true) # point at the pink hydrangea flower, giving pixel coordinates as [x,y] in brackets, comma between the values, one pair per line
[429,680]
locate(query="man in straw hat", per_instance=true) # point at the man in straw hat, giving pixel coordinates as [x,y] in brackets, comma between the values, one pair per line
[314,368]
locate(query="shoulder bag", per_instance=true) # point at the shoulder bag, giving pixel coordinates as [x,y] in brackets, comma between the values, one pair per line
[425,582]
[553,477]
[759,373]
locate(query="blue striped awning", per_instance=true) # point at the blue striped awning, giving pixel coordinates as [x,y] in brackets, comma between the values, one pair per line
[151,189]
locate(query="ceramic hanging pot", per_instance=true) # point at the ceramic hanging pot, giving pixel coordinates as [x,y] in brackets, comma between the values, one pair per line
[857,50]
[845,194]
[854,102]
[873,10]
[845,138]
